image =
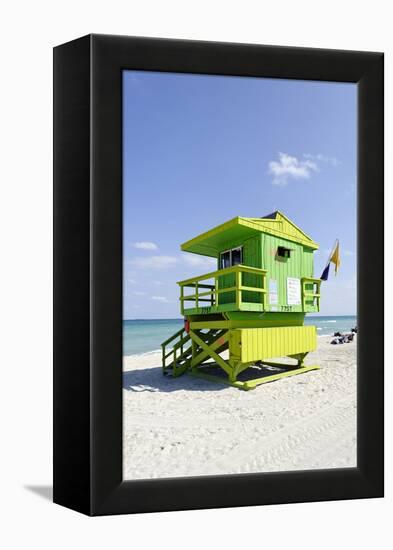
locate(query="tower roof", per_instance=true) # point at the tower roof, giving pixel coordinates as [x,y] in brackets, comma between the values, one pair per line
[238,229]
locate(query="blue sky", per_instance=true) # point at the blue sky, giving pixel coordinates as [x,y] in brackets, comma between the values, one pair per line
[199,150]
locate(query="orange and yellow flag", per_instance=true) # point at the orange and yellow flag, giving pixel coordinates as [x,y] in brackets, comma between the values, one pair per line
[335,257]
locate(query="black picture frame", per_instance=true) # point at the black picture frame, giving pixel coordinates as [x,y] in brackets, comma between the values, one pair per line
[88,275]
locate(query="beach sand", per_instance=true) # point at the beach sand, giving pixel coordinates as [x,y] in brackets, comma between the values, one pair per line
[189,427]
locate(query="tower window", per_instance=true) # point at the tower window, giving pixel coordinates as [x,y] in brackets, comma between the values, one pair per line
[231,257]
[225,259]
[283,252]
[237,254]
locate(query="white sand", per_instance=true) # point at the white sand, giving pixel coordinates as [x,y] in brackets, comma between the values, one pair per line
[188,426]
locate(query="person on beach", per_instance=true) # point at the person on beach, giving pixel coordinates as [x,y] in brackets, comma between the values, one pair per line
[342,338]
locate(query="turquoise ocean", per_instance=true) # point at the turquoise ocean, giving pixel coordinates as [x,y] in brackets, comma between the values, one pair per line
[146,335]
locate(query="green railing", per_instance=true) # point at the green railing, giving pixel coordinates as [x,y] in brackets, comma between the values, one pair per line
[311,291]
[211,292]
[177,341]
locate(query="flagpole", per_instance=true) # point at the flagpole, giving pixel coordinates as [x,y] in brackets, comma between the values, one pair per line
[329,259]
[331,252]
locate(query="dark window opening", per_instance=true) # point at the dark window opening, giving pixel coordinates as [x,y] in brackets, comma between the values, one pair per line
[225,259]
[231,257]
[237,256]
[283,252]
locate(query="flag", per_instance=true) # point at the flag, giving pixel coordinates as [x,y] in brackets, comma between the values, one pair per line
[325,273]
[334,258]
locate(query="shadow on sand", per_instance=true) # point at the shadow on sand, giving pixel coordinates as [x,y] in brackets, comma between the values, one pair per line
[152,380]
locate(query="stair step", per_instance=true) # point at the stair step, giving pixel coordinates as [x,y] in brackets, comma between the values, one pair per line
[182,362]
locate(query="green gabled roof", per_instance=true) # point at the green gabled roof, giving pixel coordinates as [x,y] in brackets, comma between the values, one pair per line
[239,229]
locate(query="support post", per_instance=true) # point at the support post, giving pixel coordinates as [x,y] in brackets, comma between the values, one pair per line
[238,289]
[220,362]
[182,299]
[193,353]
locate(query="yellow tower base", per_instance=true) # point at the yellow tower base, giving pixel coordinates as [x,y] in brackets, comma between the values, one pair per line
[199,351]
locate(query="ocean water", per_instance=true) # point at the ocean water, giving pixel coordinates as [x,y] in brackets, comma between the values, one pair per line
[146,335]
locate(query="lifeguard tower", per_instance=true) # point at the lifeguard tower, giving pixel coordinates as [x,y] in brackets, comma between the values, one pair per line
[252,308]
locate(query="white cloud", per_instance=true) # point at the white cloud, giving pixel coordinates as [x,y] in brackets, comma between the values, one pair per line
[165,262]
[154,262]
[288,167]
[146,245]
[139,293]
[161,299]
[322,158]
[199,261]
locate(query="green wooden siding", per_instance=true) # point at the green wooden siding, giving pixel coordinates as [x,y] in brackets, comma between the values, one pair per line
[261,251]
[308,269]
[251,257]
[308,262]
[259,239]
[226,281]
[229,281]
[279,269]
[253,344]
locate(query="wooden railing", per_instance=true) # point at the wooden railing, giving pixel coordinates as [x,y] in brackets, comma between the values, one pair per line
[211,292]
[314,294]
[179,339]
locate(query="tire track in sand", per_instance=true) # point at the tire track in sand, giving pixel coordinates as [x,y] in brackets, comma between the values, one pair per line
[310,442]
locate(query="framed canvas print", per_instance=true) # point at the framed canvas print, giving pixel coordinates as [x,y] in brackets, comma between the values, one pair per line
[218,275]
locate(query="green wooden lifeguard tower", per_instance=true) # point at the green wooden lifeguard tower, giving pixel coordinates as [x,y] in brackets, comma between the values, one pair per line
[253,307]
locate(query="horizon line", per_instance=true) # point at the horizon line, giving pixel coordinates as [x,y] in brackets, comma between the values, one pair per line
[182,319]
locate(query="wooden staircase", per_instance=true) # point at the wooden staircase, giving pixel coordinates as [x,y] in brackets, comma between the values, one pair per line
[186,353]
